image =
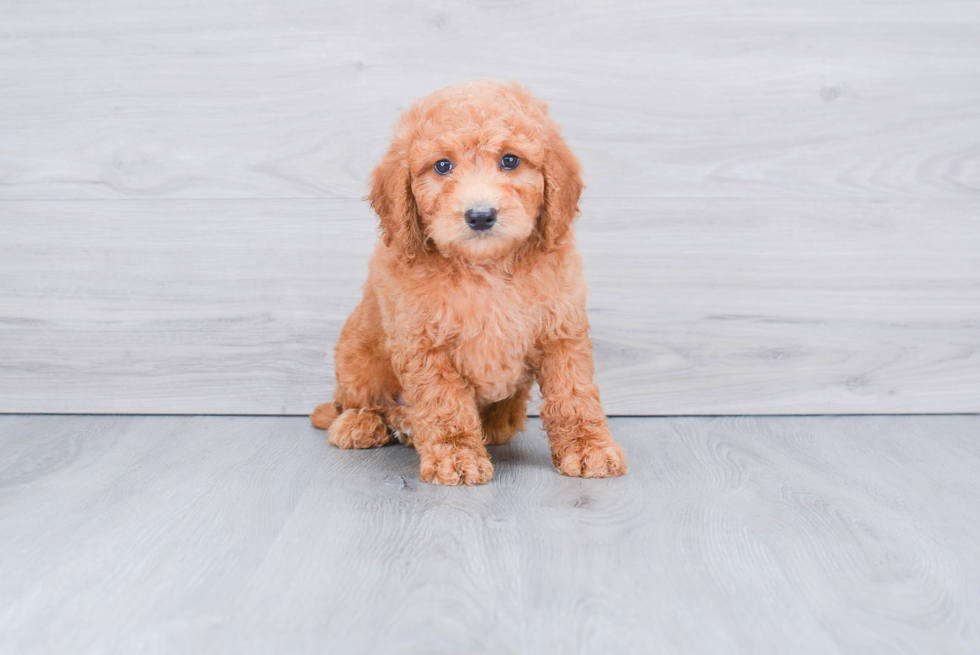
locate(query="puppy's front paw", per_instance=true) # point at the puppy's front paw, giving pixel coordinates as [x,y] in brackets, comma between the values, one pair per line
[598,457]
[358,429]
[455,465]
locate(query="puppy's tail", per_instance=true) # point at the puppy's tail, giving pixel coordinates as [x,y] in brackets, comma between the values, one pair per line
[324,415]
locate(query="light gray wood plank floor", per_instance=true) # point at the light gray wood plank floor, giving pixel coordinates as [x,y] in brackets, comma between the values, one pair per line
[251,535]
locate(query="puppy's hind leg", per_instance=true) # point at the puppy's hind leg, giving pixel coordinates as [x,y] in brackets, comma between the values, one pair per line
[366,385]
[400,424]
[324,415]
[358,428]
[503,419]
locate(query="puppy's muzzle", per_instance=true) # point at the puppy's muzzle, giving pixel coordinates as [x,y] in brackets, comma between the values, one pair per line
[480,218]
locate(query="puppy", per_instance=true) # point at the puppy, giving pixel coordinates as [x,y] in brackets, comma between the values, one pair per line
[474,291]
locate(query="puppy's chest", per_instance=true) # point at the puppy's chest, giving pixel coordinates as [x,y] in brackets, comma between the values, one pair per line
[492,333]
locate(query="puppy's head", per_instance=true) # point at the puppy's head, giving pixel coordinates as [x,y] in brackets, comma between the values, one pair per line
[476,171]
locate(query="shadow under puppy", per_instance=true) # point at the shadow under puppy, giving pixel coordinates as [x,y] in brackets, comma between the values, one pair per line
[474,291]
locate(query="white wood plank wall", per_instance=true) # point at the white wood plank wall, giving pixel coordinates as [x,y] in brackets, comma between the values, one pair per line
[782,213]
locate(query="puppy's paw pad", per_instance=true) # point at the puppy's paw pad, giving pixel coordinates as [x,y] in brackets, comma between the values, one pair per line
[456,466]
[358,429]
[592,459]
[400,426]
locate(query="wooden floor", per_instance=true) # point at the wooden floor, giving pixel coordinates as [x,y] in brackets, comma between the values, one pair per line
[252,535]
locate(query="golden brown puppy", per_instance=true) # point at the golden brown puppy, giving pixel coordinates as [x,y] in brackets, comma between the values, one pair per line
[474,291]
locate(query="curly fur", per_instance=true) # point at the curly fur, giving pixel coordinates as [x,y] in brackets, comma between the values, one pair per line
[456,325]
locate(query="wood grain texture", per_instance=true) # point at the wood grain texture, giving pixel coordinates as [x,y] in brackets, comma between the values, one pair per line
[672,98]
[779,307]
[782,213]
[251,535]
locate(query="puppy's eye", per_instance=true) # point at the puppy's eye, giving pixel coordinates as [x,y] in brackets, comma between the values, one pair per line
[509,162]
[443,166]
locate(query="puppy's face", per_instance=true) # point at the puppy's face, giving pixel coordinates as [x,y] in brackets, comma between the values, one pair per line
[475,171]
[479,189]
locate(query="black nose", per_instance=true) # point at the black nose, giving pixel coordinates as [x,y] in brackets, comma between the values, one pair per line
[481,218]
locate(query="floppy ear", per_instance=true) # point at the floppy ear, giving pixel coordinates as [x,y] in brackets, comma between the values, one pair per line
[562,189]
[392,200]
